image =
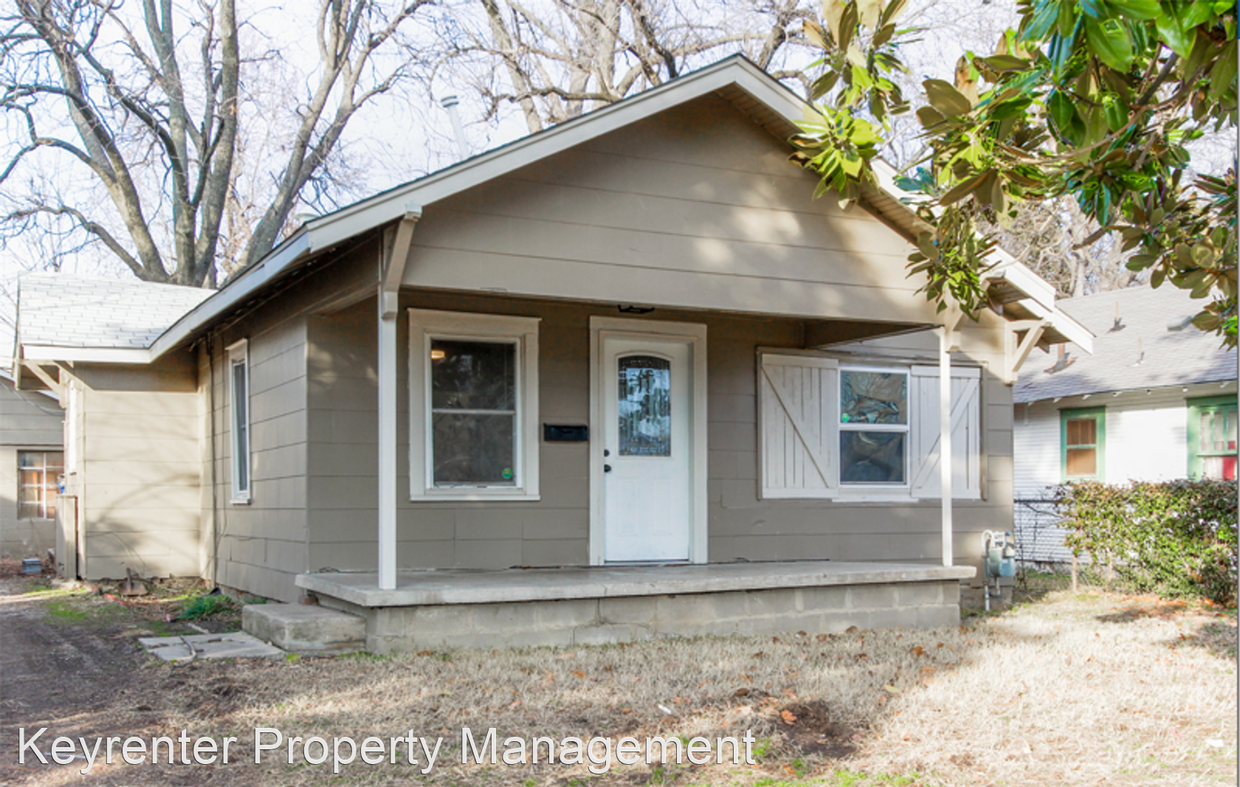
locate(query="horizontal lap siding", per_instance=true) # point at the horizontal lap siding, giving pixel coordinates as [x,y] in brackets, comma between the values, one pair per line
[695,208]
[261,546]
[27,420]
[140,473]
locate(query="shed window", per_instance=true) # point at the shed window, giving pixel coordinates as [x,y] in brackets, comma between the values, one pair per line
[1212,438]
[239,391]
[1083,444]
[38,474]
[473,406]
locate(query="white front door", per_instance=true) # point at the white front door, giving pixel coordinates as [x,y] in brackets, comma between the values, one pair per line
[647,448]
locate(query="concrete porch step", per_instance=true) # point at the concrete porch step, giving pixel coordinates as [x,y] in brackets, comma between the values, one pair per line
[306,629]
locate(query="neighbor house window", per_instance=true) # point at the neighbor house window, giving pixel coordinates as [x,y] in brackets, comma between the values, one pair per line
[1212,437]
[874,426]
[474,399]
[38,474]
[239,393]
[1083,444]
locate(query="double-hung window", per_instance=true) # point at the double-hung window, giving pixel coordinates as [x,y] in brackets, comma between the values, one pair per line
[474,406]
[874,426]
[1083,444]
[239,393]
[1212,437]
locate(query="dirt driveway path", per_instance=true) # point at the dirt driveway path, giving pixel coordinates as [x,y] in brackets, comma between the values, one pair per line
[85,675]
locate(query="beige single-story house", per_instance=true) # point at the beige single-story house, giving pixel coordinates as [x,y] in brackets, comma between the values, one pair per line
[31,462]
[620,378]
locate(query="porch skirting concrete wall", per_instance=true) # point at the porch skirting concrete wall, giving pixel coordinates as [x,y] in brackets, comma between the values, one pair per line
[638,606]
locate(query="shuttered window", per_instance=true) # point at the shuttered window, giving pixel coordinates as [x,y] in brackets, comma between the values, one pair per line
[831,431]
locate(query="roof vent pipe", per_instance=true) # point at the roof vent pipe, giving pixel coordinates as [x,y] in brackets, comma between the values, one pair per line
[449,103]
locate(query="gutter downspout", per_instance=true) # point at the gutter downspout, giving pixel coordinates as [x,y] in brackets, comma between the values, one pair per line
[392,270]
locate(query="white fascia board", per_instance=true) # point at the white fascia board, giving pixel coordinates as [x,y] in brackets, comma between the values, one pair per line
[299,245]
[1021,277]
[1055,318]
[44,353]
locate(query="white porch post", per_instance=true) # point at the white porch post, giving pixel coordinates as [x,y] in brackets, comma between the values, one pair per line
[387,447]
[945,439]
[392,269]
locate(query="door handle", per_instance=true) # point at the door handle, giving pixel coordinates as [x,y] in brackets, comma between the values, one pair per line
[606,468]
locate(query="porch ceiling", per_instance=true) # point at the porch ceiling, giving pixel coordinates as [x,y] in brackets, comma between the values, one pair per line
[461,586]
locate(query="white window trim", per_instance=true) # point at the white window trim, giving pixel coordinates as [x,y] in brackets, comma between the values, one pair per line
[239,355]
[425,325]
[883,491]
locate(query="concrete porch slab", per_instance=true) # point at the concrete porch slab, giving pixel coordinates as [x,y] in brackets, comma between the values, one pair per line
[234,645]
[456,586]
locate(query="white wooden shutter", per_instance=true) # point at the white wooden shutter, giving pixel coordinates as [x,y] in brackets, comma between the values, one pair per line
[797,427]
[966,433]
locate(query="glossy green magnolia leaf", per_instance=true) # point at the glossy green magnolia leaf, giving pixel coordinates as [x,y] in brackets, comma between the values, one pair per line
[1006,62]
[1116,113]
[963,189]
[1198,13]
[929,117]
[946,98]
[1137,9]
[1045,16]
[1174,32]
[1063,111]
[1111,41]
[1095,9]
[1223,75]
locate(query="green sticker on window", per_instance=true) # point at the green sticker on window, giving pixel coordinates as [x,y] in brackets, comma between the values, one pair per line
[507,473]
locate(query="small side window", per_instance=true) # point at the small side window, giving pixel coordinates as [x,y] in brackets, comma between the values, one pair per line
[1083,444]
[37,485]
[239,397]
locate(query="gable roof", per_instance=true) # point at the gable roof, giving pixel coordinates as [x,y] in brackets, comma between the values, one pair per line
[754,92]
[62,313]
[1143,339]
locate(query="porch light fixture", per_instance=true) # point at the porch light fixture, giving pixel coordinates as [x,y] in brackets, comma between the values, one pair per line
[630,308]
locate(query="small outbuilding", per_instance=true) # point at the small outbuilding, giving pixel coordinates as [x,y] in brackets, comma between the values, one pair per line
[621,378]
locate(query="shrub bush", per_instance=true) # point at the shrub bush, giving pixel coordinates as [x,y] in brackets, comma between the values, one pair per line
[1173,538]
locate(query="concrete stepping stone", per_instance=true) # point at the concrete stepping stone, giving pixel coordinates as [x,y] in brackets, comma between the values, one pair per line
[234,645]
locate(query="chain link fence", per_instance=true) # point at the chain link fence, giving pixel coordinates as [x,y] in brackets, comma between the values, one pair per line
[1039,534]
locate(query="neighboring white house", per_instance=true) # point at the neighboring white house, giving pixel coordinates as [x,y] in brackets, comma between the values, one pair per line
[1155,401]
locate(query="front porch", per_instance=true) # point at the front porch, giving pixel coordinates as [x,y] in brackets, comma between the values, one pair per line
[571,606]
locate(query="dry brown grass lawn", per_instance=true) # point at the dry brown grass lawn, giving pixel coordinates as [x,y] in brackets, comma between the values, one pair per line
[1092,689]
